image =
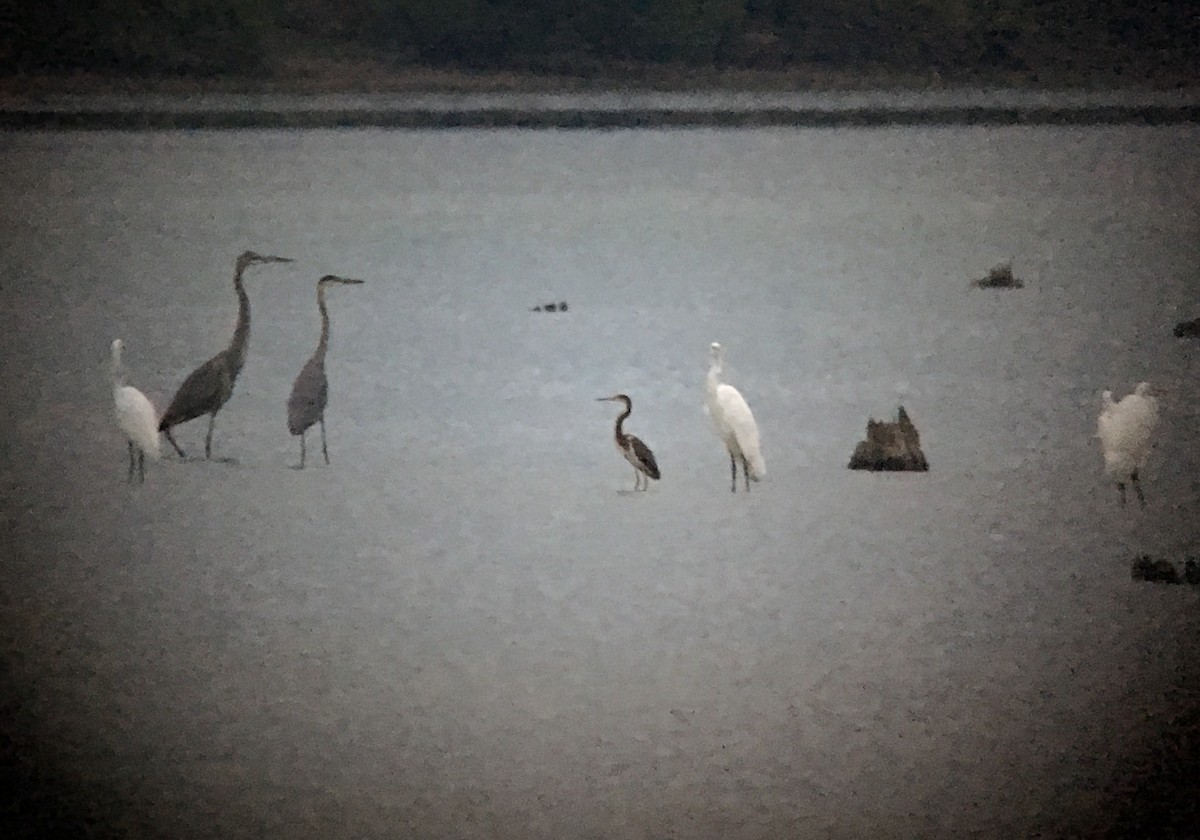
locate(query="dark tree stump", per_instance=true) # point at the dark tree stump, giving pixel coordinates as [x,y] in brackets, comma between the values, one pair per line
[1000,277]
[894,447]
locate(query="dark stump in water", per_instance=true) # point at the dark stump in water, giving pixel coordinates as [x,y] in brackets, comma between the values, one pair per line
[895,447]
[1155,571]
[1000,277]
[1188,329]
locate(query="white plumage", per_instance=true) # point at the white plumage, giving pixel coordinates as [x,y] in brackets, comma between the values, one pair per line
[734,423]
[1126,432]
[135,416]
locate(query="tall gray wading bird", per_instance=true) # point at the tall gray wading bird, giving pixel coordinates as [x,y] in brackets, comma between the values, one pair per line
[635,452]
[310,391]
[210,386]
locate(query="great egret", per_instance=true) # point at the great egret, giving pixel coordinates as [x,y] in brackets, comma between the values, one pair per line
[210,386]
[631,446]
[1126,431]
[734,422]
[310,391]
[135,415]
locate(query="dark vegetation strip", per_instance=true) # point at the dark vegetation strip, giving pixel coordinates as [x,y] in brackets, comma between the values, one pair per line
[496,118]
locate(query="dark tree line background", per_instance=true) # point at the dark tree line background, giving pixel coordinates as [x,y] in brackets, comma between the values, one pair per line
[974,39]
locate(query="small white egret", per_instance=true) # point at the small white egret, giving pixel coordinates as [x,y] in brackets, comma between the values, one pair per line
[631,446]
[1126,431]
[135,415]
[735,424]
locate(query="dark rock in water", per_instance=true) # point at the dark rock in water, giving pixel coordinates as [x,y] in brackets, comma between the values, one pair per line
[1154,571]
[562,306]
[1000,277]
[894,447]
[1191,570]
[1188,329]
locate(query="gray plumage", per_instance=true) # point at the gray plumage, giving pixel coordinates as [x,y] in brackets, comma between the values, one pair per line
[210,386]
[310,391]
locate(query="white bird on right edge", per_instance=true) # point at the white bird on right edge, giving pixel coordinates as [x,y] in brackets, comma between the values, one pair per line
[735,424]
[1126,432]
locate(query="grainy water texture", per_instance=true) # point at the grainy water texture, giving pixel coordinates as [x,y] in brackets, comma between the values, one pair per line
[464,627]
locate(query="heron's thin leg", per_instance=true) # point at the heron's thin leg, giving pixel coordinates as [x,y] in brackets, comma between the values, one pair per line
[130,460]
[733,473]
[212,418]
[171,440]
[1121,487]
[303,435]
[324,450]
[746,473]
[1137,485]
[142,466]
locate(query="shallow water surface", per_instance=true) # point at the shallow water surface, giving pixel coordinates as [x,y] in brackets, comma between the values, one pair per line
[461,627]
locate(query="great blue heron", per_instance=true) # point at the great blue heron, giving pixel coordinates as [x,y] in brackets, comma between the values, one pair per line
[635,452]
[135,416]
[210,386]
[310,391]
[734,422]
[1126,431]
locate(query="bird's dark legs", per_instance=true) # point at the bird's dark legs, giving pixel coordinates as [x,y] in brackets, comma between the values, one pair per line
[733,473]
[1137,485]
[746,473]
[212,418]
[142,466]
[1121,487]
[171,440]
[324,450]
[130,460]
[302,436]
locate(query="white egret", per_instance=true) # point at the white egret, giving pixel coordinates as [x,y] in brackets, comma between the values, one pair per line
[631,446]
[1126,431]
[210,386]
[135,415]
[734,423]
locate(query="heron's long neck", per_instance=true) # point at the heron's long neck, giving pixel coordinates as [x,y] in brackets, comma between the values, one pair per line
[241,333]
[714,378]
[323,344]
[617,432]
[118,370]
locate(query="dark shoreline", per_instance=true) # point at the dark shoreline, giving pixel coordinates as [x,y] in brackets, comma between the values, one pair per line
[499,117]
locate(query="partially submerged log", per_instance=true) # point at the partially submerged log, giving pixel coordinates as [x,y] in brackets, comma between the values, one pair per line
[1000,277]
[895,447]
[561,306]
[1155,571]
[1188,329]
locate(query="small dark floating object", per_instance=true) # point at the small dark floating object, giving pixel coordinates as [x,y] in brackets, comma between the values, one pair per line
[1156,571]
[1000,277]
[550,307]
[1188,329]
[894,447]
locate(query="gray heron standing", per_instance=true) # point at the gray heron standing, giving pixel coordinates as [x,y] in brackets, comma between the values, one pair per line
[210,386]
[631,446]
[310,391]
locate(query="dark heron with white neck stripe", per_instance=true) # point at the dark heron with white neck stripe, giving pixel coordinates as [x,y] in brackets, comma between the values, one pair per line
[635,452]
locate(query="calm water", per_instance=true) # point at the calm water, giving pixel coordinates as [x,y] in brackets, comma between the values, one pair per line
[461,627]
